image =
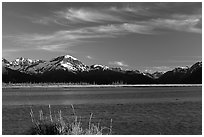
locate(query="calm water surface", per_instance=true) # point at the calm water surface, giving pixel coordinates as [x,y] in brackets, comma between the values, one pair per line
[67,96]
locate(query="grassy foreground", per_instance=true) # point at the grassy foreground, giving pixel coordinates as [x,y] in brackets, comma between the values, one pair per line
[56,124]
[179,118]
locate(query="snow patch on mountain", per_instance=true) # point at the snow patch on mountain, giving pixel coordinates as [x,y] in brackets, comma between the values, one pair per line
[68,56]
[99,67]
[68,65]
[23,62]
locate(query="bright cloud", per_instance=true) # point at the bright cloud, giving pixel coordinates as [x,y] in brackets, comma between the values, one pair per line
[119,63]
[139,18]
[67,38]
[86,15]
[89,57]
[188,24]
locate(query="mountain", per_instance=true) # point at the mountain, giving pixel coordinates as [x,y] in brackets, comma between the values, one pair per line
[15,76]
[172,77]
[183,75]
[21,64]
[69,63]
[5,62]
[69,69]
[65,63]
[194,74]
[154,75]
[195,67]
[157,74]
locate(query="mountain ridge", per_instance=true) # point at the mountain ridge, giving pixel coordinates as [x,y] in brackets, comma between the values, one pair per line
[67,68]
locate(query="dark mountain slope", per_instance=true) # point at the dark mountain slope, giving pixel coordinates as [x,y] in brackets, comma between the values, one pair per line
[194,74]
[14,76]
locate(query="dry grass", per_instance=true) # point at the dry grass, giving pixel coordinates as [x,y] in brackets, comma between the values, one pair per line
[56,124]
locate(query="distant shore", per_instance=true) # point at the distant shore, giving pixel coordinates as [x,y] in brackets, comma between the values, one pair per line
[94,86]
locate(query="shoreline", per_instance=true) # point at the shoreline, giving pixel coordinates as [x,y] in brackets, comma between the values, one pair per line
[100,86]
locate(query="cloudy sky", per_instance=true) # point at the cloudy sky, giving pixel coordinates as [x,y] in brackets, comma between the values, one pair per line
[144,36]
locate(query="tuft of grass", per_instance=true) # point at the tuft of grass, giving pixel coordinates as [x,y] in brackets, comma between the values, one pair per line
[56,124]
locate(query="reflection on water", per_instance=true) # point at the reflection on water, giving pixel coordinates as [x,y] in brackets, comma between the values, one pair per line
[66,96]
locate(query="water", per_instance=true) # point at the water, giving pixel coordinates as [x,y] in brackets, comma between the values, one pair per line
[96,95]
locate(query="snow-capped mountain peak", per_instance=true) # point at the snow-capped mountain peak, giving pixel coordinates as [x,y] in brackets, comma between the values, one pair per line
[68,56]
[72,63]
[22,62]
[68,62]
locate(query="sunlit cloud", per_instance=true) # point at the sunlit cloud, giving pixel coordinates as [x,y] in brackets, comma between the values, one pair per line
[89,57]
[119,63]
[72,16]
[51,47]
[125,28]
[134,19]
[130,11]
[86,15]
[67,38]
[188,25]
